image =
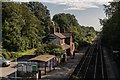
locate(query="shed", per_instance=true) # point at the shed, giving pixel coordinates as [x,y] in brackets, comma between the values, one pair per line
[43,58]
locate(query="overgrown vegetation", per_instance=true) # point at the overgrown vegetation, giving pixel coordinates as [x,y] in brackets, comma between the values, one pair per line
[51,48]
[21,28]
[111,29]
[14,55]
[68,23]
[26,26]
[111,24]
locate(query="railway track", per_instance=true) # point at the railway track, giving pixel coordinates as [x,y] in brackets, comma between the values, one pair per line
[92,65]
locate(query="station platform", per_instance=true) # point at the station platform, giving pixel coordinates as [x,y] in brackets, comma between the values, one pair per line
[64,70]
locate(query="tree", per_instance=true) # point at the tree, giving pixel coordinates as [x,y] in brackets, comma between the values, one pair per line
[51,48]
[54,49]
[111,25]
[43,15]
[11,29]
[68,23]
[21,28]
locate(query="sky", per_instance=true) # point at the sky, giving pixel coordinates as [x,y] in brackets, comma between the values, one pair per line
[87,12]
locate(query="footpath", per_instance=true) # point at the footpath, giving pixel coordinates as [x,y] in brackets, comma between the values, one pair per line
[64,70]
[112,69]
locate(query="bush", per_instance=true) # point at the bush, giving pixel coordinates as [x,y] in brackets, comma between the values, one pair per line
[40,49]
[54,49]
[75,78]
[6,54]
[57,52]
[11,56]
[1,55]
[14,55]
[51,48]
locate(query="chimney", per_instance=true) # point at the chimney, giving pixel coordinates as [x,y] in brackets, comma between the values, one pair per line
[52,30]
[58,30]
[62,30]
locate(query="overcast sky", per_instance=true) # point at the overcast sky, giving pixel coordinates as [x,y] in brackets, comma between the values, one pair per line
[87,12]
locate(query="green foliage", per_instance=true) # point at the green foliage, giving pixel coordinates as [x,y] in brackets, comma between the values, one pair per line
[68,23]
[23,27]
[65,21]
[13,55]
[57,51]
[40,49]
[27,25]
[51,48]
[111,25]
[54,49]
[6,54]
[43,15]
[75,78]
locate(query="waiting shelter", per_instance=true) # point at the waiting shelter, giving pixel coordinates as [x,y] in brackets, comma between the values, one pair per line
[46,60]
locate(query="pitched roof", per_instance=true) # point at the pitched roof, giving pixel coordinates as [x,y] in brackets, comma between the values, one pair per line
[67,34]
[65,46]
[44,58]
[59,35]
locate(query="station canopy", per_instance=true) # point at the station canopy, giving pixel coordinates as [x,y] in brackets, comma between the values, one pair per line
[65,46]
[43,58]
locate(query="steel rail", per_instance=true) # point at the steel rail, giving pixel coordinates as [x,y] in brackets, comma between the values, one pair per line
[96,61]
[87,73]
[92,65]
[88,64]
[85,60]
[102,62]
[95,65]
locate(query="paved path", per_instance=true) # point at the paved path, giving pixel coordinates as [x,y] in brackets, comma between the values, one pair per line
[10,70]
[64,70]
[112,69]
[6,71]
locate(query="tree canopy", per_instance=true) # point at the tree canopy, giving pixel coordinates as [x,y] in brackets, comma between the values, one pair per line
[21,28]
[43,15]
[27,25]
[68,23]
[111,25]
